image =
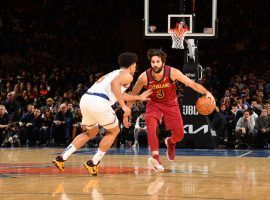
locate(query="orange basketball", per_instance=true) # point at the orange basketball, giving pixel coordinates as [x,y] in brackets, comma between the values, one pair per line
[204,106]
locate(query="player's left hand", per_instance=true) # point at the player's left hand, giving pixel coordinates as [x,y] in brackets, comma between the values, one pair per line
[145,94]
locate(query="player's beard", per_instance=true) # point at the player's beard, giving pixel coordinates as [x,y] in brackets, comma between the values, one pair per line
[157,70]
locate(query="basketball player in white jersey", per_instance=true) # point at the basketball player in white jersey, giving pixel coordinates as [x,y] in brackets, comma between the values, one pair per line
[96,111]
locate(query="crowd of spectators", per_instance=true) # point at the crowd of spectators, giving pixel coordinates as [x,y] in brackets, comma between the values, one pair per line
[242,117]
[52,51]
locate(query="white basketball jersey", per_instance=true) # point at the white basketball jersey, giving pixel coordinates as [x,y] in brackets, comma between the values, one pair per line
[103,85]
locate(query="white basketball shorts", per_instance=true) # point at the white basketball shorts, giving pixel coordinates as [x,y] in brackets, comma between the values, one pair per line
[97,111]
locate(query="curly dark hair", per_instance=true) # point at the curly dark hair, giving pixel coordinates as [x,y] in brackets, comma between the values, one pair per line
[157,52]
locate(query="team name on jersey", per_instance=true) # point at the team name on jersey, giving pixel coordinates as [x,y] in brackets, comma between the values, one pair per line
[159,86]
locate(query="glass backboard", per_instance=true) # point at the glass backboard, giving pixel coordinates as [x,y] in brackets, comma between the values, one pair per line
[199,15]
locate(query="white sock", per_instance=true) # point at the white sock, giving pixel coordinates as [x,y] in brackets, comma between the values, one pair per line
[68,151]
[98,156]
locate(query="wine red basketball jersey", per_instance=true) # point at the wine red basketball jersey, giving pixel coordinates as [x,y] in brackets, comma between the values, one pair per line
[164,91]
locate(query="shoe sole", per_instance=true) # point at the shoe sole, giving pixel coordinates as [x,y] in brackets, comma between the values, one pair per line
[86,167]
[57,166]
[151,164]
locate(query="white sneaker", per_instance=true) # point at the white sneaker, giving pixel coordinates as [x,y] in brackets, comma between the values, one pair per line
[154,165]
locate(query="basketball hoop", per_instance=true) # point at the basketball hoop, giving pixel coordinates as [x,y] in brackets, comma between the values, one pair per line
[178,35]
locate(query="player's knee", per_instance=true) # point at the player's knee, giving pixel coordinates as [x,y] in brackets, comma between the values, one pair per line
[91,133]
[114,131]
[177,135]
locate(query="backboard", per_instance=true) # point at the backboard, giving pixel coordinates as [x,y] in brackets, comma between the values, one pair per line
[199,15]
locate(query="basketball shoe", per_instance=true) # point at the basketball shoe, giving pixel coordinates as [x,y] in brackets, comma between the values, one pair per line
[170,149]
[91,168]
[59,163]
[155,165]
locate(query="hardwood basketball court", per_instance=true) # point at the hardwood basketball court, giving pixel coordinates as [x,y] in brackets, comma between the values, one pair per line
[195,174]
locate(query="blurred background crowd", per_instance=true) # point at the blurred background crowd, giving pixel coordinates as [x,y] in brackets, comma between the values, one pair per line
[51,52]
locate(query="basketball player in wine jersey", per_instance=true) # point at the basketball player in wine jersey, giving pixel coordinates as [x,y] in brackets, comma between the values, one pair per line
[96,111]
[161,78]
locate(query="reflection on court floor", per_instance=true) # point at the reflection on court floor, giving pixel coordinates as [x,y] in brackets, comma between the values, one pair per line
[195,174]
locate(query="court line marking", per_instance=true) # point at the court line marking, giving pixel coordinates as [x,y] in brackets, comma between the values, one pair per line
[245,154]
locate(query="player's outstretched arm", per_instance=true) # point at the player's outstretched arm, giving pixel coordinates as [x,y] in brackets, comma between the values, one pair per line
[141,97]
[178,75]
[140,83]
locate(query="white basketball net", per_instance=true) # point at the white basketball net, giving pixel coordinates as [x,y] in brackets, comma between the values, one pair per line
[178,36]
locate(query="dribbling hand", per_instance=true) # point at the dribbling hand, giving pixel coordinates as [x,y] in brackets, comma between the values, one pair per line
[209,95]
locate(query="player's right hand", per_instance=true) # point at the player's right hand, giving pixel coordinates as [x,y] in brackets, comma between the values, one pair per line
[209,95]
[127,110]
[145,94]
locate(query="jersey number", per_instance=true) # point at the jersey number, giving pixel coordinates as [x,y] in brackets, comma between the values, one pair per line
[160,94]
